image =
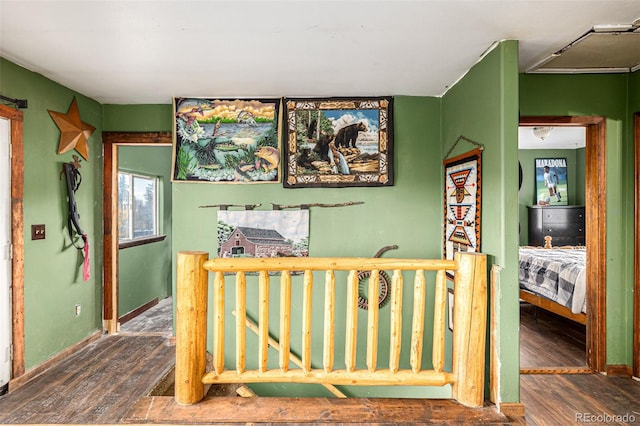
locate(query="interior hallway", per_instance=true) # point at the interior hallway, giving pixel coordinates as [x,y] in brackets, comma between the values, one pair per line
[109,382]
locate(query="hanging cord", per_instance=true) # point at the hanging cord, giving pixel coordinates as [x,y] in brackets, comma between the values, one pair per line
[74,179]
[463,138]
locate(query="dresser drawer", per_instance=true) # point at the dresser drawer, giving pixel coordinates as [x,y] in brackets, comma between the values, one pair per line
[563,229]
[568,241]
[558,215]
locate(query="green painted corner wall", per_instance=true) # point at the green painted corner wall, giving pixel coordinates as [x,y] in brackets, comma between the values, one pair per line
[53,282]
[136,285]
[601,95]
[483,106]
[407,214]
[527,193]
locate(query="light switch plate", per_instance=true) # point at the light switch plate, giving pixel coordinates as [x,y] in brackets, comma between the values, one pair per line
[38,232]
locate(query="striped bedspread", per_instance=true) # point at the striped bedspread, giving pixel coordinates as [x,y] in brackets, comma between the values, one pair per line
[556,274]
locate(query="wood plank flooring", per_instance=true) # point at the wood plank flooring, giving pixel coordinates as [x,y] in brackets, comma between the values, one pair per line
[98,384]
[548,340]
[109,381]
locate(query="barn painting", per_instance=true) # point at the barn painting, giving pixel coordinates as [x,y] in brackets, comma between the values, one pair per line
[255,233]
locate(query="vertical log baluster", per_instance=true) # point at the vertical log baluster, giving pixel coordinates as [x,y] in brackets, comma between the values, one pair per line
[306,320]
[372,321]
[218,322]
[329,319]
[396,321]
[191,326]
[469,329]
[439,308]
[352,322]
[417,326]
[241,316]
[263,313]
[285,320]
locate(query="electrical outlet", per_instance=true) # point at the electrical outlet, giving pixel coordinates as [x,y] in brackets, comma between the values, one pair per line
[78,309]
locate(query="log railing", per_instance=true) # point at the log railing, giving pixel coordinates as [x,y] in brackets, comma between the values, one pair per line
[469,323]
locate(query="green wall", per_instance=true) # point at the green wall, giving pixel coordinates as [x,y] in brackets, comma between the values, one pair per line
[136,285]
[53,282]
[527,194]
[407,214]
[483,107]
[138,118]
[601,95]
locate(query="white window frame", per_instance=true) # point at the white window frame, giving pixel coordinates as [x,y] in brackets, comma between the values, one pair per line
[156,235]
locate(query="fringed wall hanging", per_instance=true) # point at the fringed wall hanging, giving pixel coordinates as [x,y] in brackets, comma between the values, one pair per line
[462,200]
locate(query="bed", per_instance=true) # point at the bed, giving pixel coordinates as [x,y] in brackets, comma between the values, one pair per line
[554,279]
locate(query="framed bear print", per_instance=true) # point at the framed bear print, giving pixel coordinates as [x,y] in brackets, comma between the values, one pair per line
[338,142]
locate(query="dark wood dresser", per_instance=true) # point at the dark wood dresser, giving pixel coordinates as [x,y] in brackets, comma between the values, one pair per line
[565,224]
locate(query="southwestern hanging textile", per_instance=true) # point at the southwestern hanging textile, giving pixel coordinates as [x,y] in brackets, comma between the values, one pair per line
[338,142]
[226,140]
[462,177]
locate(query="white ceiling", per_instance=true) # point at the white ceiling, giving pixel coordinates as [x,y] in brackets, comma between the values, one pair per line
[559,138]
[139,52]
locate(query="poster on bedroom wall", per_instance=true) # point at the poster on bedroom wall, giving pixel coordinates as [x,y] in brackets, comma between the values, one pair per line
[551,182]
[263,233]
[226,140]
[462,203]
[338,142]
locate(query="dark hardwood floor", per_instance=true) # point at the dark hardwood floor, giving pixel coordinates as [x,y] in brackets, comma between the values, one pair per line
[548,340]
[110,381]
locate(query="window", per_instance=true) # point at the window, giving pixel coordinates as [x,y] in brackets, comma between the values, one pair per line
[137,206]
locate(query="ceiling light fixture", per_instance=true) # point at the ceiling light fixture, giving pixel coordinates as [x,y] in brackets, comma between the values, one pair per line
[542,132]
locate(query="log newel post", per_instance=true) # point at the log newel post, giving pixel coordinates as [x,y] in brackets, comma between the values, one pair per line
[191,326]
[469,328]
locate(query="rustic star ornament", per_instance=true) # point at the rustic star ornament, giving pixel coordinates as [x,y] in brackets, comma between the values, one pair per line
[74,133]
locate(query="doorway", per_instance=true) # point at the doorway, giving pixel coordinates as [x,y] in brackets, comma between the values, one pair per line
[14,119]
[636,258]
[111,142]
[5,258]
[595,212]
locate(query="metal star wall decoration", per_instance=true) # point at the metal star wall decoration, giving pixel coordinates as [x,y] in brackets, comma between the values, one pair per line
[74,133]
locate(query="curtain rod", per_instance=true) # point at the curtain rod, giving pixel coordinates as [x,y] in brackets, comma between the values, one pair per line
[20,103]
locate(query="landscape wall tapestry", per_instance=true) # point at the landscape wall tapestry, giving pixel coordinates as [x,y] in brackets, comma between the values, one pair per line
[462,202]
[338,142]
[226,140]
[263,233]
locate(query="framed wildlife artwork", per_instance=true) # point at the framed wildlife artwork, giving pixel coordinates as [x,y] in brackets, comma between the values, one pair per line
[462,203]
[551,182]
[338,142]
[226,140]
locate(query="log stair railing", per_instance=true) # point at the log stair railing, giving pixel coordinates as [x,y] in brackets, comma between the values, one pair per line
[469,323]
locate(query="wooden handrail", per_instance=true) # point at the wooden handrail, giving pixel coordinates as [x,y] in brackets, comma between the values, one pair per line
[466,377]
[249,264]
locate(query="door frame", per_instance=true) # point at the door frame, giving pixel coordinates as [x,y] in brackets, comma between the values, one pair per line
[596,227]
[110,143]
[17,238]
[636,248]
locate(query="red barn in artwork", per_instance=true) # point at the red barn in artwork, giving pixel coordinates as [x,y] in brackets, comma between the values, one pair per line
[255,242]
